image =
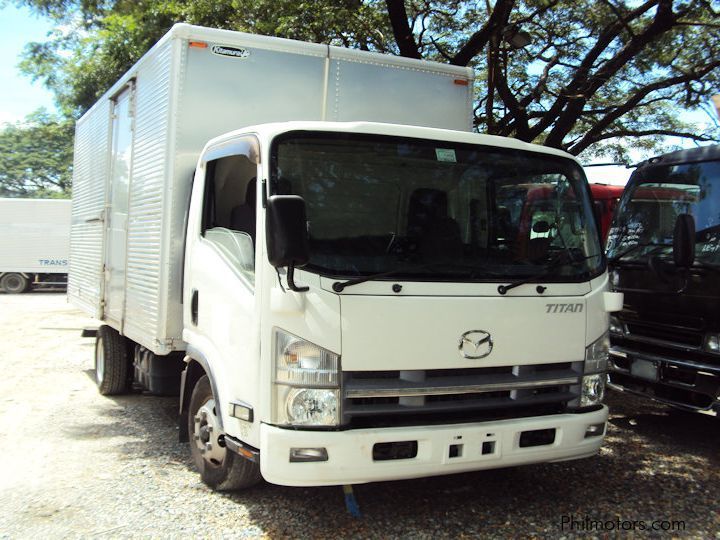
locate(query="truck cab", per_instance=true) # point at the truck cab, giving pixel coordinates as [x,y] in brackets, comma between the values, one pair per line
[355,310]
[664,253]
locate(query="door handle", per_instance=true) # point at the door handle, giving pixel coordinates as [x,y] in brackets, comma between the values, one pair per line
[194,307]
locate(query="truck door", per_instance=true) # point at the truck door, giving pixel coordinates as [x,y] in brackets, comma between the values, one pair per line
[117,207]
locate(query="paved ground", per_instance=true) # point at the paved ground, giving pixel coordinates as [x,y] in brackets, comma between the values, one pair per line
[76,464]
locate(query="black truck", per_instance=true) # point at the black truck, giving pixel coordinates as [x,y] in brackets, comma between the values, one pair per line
[664,255]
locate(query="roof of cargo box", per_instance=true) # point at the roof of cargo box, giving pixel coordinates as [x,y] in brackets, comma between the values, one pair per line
[212,36]
[191,32]
[394,130]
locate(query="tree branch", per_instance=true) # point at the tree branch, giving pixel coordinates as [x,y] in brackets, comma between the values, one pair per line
[647,132]
[401,29]
[661,23]
[516,110]
[479,39]
[608,34]
[546,6]
[635,100]
[536,92]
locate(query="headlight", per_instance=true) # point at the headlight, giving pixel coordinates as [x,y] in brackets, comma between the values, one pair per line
[596,354]
[306,383]
[311,407]
[712,343]
[616,326]
[593,390]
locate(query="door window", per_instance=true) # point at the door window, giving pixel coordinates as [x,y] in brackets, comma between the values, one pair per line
[230,211]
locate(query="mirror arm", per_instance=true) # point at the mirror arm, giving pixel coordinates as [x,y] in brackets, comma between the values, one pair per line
[291,280]
[685,276]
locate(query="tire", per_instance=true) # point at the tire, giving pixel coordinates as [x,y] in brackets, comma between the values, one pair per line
[220,468]
[112,361]
[14,283]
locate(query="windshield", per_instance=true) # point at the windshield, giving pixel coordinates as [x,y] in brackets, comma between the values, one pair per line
[437,210]
[645,219]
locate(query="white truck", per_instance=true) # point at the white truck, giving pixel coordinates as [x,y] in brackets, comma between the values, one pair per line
[308,244]
[34,243]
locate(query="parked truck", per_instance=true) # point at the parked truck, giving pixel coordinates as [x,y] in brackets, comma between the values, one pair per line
[605,200]
[305,242]
[664,251]
[34,243]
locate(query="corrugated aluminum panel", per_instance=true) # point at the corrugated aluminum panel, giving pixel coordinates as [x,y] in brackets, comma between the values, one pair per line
[90,169]
[34,235]
[144,287]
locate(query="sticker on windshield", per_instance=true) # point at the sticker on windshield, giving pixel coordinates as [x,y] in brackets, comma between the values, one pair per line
[711,245]
[445,154]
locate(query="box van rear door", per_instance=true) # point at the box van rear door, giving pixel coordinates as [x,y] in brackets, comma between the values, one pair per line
[118,203]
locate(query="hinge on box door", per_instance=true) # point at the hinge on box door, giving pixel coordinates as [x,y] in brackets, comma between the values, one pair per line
[131,100]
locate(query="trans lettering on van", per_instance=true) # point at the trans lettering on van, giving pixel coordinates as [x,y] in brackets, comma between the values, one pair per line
[53,262]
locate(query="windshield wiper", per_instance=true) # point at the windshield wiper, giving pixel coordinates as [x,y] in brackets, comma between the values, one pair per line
[338,286]
[635,247]
[557,263]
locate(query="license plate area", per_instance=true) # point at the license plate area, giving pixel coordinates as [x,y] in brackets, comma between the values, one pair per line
[645,369]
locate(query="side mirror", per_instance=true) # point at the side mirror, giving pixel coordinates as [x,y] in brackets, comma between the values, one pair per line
[684,241]
[286,231]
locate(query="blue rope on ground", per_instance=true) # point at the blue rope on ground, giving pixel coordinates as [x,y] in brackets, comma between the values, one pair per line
[351,502]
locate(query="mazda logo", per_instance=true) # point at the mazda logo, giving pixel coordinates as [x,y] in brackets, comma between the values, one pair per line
[475,344]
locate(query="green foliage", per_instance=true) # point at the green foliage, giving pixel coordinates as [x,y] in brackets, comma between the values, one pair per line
[598,76]
[36,157]
[99,41]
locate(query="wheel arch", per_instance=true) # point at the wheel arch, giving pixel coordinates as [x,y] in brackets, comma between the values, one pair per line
[23,274]
[197,366]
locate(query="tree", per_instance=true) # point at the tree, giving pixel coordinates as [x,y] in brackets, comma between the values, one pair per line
[591,76]
[36,157]
[588,72]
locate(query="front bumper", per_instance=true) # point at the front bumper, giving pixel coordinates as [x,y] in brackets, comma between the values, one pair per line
[679,382]
[350,453]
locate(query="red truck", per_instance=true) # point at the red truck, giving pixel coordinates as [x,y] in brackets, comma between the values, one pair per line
[605,198]
[536,206]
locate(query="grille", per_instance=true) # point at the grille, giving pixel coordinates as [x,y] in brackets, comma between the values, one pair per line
[382,398]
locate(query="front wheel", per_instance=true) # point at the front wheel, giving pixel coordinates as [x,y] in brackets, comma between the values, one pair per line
[14,283]
[219,468]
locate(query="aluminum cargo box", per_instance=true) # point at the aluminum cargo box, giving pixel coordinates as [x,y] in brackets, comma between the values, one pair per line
[136,149]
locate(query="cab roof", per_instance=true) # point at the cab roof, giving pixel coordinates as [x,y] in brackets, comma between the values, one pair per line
[271,130]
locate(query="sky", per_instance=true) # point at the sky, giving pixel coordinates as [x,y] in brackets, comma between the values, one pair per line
[19,96]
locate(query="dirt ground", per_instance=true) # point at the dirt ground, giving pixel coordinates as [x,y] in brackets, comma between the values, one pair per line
[77,464]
